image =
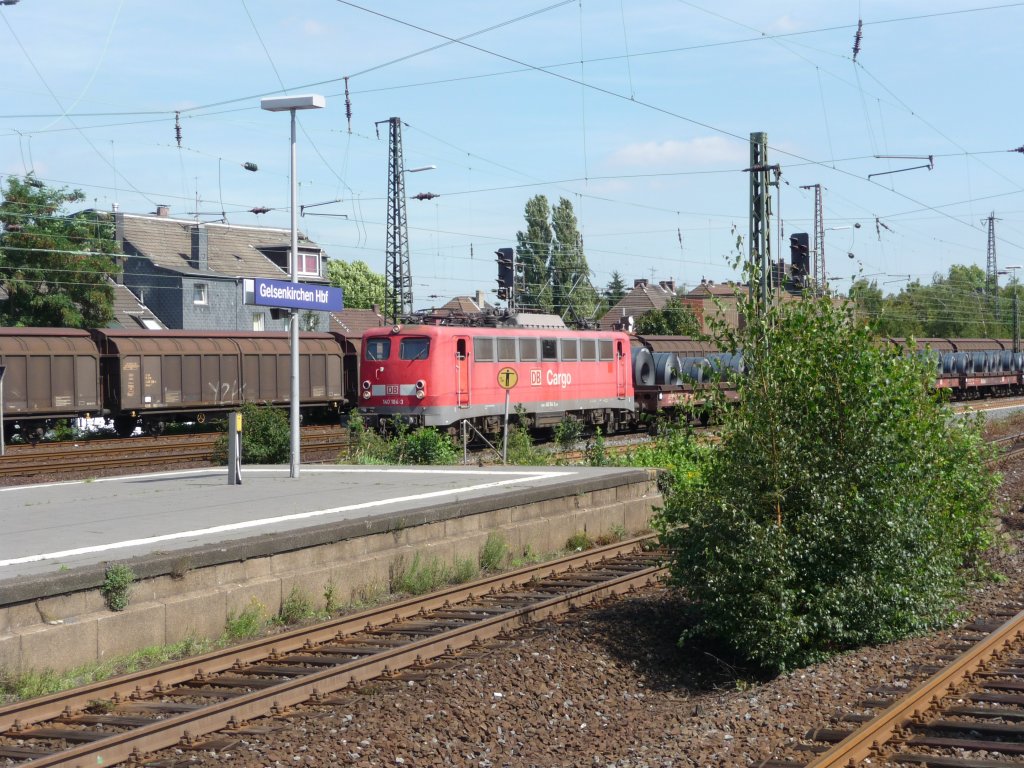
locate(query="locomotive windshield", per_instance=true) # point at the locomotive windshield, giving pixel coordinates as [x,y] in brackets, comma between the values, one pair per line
[414,348]
[378,349]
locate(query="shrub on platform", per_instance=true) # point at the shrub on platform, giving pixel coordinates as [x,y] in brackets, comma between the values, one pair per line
[266,436]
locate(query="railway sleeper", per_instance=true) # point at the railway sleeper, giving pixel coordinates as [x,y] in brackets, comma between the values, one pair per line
[1002,747]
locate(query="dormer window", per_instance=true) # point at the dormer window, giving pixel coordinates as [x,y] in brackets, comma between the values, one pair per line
[309,263]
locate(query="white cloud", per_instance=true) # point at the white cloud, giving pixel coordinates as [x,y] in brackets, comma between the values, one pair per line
[706,151]
[314,28]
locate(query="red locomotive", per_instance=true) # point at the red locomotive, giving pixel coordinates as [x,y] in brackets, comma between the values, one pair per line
[439,375]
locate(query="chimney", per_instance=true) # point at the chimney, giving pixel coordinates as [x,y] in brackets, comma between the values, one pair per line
[668,285]
[640,282]
[200,256]
[480,298]
[163,211]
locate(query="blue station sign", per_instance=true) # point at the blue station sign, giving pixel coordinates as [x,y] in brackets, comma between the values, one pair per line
[279,293]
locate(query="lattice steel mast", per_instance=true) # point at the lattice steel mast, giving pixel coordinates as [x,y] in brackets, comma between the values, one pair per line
[760,215]
[819,241]
[397,272]
[991,269]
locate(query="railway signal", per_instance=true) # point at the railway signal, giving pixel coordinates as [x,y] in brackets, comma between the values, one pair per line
[506,273]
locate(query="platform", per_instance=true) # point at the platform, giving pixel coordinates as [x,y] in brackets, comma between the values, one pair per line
[202,549]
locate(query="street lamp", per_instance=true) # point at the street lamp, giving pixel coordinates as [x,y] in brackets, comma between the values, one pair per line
[292,104]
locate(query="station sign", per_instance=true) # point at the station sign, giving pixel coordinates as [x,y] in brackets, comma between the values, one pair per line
[264,292]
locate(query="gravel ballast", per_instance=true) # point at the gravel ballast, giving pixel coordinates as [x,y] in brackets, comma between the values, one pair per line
[609,687]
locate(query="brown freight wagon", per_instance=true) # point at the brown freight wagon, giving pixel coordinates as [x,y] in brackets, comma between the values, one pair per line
[51,373]
[150,377]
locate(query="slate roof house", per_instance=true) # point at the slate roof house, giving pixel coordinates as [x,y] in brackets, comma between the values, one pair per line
[642,299]
[191,274]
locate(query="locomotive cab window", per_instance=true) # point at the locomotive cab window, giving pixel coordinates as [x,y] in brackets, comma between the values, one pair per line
[414,348]
[378,349]
[549,349]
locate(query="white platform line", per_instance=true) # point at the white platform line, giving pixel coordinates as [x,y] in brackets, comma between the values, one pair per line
[248,524]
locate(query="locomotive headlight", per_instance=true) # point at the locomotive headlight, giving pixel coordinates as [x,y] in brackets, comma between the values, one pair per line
[421,384]
[366,385]
[366,394]
[420,394]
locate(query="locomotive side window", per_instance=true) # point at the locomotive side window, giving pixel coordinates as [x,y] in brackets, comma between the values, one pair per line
[570,350]
[528,349]
[414,348]
[483,350]
[605,348]
[549,349]
[506,349]
[378,349]
[588,349]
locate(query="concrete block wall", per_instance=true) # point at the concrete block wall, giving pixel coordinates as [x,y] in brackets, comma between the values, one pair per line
[194,595]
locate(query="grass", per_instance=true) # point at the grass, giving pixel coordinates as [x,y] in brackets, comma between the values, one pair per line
[32,684]
[420,577]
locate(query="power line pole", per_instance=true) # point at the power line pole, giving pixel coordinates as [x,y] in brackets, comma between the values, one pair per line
[397,272]
[760,215]
[819,241]
[991,270]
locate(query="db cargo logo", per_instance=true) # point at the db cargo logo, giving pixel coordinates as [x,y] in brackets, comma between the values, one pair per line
[536,378]
[391,389]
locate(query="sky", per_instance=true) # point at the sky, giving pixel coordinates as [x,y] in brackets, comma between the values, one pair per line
[638,112]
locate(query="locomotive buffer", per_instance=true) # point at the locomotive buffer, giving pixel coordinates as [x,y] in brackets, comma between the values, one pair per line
[507,378]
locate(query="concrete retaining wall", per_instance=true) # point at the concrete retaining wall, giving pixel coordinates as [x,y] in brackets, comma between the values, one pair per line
[62,622]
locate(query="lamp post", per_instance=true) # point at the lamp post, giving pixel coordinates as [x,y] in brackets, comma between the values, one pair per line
[1012,270]
[292,104]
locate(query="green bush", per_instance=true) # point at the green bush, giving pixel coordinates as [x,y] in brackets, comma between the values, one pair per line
[266,436]
[674,449]
[568,432]
[117,586]
[495,552]
[424,445]
[844,507]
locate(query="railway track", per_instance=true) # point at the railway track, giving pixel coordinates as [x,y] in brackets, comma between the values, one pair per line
[97,457]
[967,714]
[210,701]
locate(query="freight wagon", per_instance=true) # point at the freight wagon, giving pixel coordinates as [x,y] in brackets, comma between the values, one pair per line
[148,378]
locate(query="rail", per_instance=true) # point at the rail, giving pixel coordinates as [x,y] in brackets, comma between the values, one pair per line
[181,702]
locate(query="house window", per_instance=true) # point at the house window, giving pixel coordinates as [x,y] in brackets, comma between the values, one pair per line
[309,263]
[150,324]
[259,321]
[199,294]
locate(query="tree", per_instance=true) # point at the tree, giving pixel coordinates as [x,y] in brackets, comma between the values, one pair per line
[573,295]
[615,290]
[674,319]
[534,254]
[56,269]
[362,286]
[843,502]
[556,275]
